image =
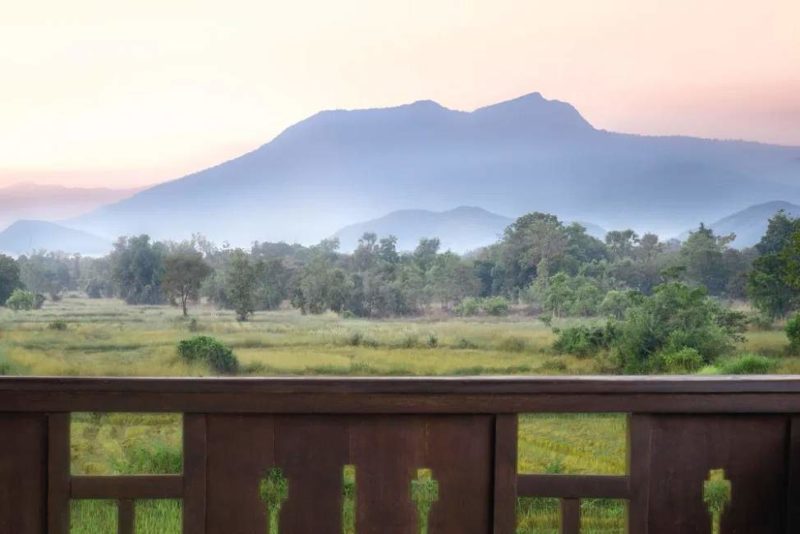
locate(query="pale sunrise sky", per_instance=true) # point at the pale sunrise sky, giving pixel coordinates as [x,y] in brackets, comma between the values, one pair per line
[126,93]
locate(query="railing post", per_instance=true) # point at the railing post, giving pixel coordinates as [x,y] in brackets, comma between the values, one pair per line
[194,473]
[640,429]
[505,474]
[570,516]
[58,473]
[126,516]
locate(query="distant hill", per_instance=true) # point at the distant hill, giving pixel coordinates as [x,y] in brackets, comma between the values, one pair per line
[23,237]
[750,224]
[526,154]
[53,202]
[460,230]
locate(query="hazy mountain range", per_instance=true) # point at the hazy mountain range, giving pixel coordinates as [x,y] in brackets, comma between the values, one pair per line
[750,224]
[24,237]
[461,229]
[52,202]
[527,154]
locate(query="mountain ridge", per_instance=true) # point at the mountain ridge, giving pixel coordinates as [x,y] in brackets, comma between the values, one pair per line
[525,154]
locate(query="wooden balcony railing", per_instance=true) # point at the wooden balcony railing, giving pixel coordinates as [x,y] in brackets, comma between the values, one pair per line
[463,429]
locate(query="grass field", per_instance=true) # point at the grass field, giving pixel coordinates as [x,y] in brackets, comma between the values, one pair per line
[105,337]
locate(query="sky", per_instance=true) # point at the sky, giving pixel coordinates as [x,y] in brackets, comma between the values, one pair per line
[129,93]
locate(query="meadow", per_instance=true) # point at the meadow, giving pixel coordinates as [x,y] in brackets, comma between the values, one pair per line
[82,337]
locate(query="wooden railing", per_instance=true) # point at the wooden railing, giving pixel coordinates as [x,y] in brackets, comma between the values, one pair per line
[463,429]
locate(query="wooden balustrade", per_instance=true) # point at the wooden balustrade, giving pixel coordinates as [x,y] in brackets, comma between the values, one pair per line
[464,430]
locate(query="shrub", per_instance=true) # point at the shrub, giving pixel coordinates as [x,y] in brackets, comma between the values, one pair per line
[468,307]
[496,306]
[674,317]
[194,325]
[58,324]
[585,340]
[433,341]
[21,300]
[682,361]
[793,333]
[748,364]
[207,350]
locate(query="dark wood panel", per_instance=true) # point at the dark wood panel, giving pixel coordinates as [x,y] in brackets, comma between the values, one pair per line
[752,450]
[640,439]
[126,487]
[58,473]
[312,451]
[573,486]
[240,448]
[194,473]
[459,451]
[387,453]
[283,403]
[570,516]
[504,514]
[23,474]
[126,517]
[396,395]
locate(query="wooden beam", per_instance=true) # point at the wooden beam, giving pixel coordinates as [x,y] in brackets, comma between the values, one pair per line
[573,486]
[127,487]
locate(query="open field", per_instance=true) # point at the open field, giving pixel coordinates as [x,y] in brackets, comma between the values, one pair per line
[105,337]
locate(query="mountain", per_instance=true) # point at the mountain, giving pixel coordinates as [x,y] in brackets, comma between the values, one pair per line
[527,154]
[52,202]
[23,237]
[460,230]
[750,224]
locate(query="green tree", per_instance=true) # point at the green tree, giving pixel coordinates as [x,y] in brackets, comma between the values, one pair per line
[674,318]
[241,282]
[774,281]
[184,272]
[531,246]
[46,272]
[9,277]
[137,266]
[704,255]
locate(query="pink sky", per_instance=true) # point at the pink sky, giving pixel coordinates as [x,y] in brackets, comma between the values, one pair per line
[136,92]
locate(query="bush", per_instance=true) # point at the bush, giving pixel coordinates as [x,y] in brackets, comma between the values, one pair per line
[793,333]
[58,325]
[748,364]
[468,307]
[684,361]
[207,350]
[673,318]
[585,340]
[194,325]
[21,300]
[433,341]
[496,306]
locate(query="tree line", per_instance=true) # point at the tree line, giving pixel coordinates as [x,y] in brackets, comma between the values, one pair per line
[554,268]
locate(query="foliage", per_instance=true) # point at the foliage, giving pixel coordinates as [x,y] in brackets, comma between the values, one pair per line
[793,333]
[46,273]
[675,317]
[58,325]
[773,284]
[716,496]
[240,285]
[9,277]
[424,493]
[273,489]
[207,350]
[492,306]
[748,364]
[137,268]
[682,361]
[184,272]
[585,340]
[21,300]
